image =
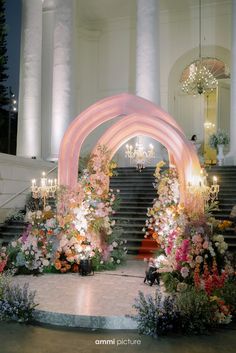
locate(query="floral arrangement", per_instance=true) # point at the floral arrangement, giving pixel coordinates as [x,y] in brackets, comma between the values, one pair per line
[79,229]
[33,251]
[192,256]
[157,315]
[187,312]
[16,303]
[219,138]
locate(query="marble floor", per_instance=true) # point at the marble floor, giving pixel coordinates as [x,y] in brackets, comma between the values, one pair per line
[99,301]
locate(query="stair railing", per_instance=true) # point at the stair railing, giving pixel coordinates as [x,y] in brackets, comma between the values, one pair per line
[23,190]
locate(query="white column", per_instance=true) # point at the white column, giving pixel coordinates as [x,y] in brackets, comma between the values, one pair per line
[62,73]
[29,116]
[148,57]
[148,50]
[231,157]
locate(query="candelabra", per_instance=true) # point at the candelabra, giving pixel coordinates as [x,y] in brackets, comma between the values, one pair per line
[46,189]
[209,194]
[139,155]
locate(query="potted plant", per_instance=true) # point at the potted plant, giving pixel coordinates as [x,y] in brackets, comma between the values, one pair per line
[217,141]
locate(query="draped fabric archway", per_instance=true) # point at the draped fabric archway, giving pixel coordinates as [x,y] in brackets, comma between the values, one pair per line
[140,117]
[177,145]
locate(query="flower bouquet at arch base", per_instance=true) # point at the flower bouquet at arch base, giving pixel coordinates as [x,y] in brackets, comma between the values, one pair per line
[197,271]
[79,228]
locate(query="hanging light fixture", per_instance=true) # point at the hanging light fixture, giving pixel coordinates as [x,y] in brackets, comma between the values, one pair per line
[200,78]
[138,155]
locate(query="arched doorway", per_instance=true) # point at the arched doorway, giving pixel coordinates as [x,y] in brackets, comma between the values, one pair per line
[139,117]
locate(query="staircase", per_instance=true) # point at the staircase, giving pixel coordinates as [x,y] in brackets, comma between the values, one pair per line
[227,198]
[11,230]
[137,194]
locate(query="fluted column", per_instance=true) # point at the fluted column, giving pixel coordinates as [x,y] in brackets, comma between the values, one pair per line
[62,73]
[148,50]
[29,116]
[148,57]
[231,157]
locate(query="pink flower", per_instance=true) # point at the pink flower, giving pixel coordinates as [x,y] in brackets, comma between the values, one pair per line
[205,245]
[197,238]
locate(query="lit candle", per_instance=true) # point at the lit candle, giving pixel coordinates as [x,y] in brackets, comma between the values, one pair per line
[43,180]
[214,180]
[33,182]
[55,181]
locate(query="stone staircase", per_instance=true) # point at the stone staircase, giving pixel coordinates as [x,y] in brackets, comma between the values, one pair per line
[137,194]
[227,198]
[11,230]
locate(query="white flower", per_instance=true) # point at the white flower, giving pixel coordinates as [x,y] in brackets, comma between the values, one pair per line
[184,272]
[111,259]
[114,244]
[38,214]
[199,259]
[118,261]
[45,262]
[14,244]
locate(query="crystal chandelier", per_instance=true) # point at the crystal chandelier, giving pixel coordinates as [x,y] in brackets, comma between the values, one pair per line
[138,155]
[200,79]
[46,189]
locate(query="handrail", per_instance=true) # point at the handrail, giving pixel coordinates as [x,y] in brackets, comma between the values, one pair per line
[23,190]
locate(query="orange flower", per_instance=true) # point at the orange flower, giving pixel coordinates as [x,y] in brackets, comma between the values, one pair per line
[57,264]
[75,268]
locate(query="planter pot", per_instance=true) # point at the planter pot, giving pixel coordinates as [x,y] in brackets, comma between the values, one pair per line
[85,267]
[220,155]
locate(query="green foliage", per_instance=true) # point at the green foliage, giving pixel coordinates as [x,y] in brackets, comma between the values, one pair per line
[228,294]
[117,255]
[5,278]
[156,316]
[83,163]
[170,281]
[16,215]
[196,311]
[219,138]
[116,204]
[210,208]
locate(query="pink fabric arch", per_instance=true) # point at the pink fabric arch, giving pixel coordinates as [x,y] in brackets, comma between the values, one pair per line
[181,149]
[90,119]
[141,117]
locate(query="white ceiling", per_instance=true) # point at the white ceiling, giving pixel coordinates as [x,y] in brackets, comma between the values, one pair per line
[102,9]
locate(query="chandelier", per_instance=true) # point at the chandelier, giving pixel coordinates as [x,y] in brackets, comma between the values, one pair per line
[200,79]
[138,155]
[46,189]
